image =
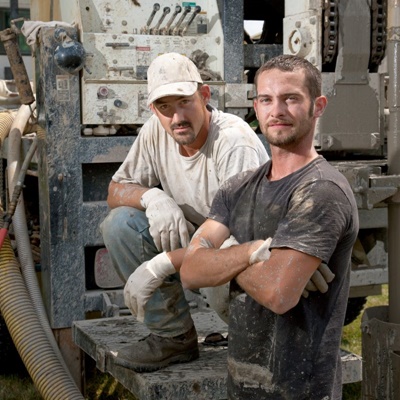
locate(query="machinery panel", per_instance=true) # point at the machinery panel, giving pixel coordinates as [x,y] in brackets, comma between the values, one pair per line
[116,103]
[303,36]
[121,39]
[114,81]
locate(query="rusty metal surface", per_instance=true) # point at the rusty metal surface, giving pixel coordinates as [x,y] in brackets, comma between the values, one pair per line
[74,172]
[73,356]
[9,39]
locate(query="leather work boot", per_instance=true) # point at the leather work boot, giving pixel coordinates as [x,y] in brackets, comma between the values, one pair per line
[155,352]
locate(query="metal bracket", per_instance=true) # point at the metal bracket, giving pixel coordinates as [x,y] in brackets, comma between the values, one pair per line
[109,309]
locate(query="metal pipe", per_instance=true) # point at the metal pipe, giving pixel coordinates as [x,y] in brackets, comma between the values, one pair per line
[9,39]
[393,57]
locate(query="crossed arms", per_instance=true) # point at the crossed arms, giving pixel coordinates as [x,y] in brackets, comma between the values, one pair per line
[276,284]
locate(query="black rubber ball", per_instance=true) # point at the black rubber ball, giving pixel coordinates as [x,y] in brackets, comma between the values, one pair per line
[70,56]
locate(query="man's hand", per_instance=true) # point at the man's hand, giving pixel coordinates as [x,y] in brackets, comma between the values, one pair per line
[168,226]
[142,283]
[319,280]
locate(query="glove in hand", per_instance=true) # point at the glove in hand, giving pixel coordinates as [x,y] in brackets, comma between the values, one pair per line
[142,283]
[231,241]
[319,280]
[168,226]
[262,253]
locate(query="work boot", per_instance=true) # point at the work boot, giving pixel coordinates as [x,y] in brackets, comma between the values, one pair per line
[155,352]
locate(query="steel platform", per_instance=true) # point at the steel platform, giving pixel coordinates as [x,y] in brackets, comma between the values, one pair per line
[202,379]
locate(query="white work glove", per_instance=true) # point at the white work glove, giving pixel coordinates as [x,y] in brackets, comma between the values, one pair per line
[318,281]
[168,226]
[262,253]
[142,283]
[231,241]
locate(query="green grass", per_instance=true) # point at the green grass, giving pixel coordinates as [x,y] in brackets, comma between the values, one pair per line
[99,387]
[17,388]
[104,387]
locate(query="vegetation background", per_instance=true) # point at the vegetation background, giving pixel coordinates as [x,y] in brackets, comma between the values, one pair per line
[104,387]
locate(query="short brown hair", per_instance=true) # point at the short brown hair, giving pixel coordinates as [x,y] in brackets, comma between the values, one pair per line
[288,63]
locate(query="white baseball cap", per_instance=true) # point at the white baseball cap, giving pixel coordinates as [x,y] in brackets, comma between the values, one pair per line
[171,74]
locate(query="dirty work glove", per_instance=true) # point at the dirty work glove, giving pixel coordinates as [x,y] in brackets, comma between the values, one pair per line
[231,241]
[168,226]
[262,253]
[319,280]
[142,283]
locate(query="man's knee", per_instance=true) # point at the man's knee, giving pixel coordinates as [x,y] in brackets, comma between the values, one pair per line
[120,222]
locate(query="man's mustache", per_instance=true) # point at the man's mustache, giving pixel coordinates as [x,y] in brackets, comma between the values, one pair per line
[183,124]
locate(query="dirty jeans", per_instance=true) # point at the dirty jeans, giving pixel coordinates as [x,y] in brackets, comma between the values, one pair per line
[129,243]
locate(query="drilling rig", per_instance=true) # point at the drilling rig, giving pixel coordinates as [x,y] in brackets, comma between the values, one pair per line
[91,60]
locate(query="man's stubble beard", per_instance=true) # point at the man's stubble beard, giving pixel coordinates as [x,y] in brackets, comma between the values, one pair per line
[185,140]
[295,136]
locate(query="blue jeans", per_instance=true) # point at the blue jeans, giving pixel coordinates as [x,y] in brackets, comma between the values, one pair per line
[129,243]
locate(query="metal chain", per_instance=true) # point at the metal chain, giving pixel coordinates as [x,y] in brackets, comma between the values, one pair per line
[330,30]
[378,32]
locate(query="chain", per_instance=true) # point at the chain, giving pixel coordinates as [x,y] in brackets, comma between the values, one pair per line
[378,32]
[330,30]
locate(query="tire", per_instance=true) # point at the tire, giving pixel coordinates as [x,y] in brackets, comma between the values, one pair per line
[354,307]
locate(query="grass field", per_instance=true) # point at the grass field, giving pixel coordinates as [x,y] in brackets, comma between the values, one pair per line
[104,387]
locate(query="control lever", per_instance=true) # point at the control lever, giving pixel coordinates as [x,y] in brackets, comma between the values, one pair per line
[156,29]
[178,24]
[197,9]
[21,78]
[164,31]
[145,29]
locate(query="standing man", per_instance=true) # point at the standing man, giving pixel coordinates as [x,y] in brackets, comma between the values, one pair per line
[281,345]
[160,194]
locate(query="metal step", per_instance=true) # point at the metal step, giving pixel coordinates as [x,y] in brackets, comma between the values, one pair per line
[204,378]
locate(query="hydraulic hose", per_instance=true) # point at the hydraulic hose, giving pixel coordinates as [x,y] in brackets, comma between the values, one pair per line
[50,378]
[17,192]
[6,120]
[59,379]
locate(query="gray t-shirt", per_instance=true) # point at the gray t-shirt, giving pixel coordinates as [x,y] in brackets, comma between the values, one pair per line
[294,355]
[231,147]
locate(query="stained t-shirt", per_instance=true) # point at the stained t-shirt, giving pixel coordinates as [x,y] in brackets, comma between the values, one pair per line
[154,158]
[295,355]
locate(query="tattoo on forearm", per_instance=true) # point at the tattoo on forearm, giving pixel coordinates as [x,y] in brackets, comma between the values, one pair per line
[206,243]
